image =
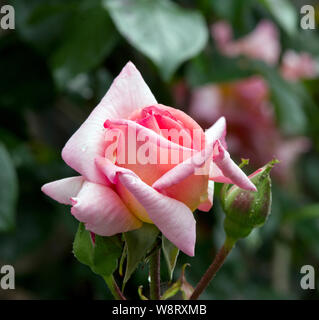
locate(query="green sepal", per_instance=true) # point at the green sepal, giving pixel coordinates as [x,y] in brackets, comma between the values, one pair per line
[181,285]
[139,242]
[140,293]
[171,254]
[101,256]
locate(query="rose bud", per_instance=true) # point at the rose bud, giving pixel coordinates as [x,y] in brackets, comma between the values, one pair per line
[246,210]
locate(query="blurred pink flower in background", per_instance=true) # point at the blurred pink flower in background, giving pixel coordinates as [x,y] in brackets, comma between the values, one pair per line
[251,130]
[261,44]
[298,66]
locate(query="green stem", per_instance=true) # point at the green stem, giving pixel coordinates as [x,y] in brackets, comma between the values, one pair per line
[213,268]
[155,277]
[114,288]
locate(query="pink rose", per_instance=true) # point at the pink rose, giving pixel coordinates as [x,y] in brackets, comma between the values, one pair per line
[298,66]
[142,162]
[262,43]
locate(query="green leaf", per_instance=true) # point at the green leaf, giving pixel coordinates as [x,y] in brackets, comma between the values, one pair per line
[41,23]
[83,246]
[170,253]
[284,12]
[215,68]
[102,256]
[309,174]
[305,40]
[160,29]
[139,242]
[89,38]
[310,211]
[289,104]
[238,13]
[45,11]
[123,257]
[106,253]
[8,191]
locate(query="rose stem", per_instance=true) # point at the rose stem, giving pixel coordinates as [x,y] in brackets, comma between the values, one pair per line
[155,277]
[213,268]
[114,288]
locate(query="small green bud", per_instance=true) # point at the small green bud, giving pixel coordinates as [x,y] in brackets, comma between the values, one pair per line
[246,210]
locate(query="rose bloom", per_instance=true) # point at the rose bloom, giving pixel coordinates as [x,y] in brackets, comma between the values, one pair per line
[117,190]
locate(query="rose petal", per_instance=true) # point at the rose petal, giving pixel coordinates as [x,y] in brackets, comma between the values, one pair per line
[170,126]
[102,210]
[208,203]
[179,120]
[159,156]
[127,93]
[230,169]
[173,218]
[217,131]
[62,190]
[150,123]
[215,174]
[185,169]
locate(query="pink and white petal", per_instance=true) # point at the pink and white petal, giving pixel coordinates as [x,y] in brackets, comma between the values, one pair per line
[127,93]
[111,170]
[150,156]
[230,169]
[63,190]
[208,203]
[215,174]
[217,132]
[150,123]
[102,210]
[174,219]
[185,169]
[179,120]
[174,131]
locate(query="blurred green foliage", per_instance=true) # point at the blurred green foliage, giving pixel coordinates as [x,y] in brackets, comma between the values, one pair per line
[56,66]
